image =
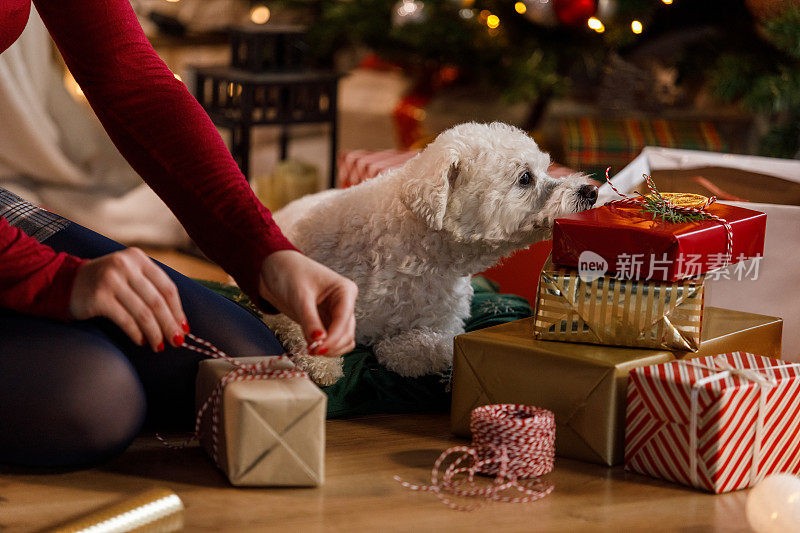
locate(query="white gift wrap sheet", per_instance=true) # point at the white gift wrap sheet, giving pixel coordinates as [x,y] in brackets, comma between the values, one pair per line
[776,291]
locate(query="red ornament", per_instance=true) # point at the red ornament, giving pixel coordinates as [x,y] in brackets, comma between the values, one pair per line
[574,12]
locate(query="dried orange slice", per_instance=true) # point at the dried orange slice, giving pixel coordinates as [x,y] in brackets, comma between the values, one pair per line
[683,199]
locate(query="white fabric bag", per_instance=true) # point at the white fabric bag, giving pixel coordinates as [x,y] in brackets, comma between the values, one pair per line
[775,290]
[54,153]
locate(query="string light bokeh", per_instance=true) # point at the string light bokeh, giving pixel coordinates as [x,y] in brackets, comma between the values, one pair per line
[260,14]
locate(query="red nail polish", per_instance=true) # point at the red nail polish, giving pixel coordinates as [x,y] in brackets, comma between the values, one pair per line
[185,326]
[322,351]
[160,347]
[177,340]
[317,333]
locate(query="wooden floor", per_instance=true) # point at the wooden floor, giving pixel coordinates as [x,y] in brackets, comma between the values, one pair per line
[188,265]
[363,455]
[360,493]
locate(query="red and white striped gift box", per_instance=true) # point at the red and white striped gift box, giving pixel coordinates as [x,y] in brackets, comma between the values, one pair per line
[717,423]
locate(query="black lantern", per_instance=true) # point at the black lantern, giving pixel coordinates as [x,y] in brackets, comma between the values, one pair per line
[268,84]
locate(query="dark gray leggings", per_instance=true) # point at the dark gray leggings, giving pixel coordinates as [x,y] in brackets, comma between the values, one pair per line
[76,394]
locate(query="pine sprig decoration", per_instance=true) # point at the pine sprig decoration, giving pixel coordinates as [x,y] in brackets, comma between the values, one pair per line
[660,208]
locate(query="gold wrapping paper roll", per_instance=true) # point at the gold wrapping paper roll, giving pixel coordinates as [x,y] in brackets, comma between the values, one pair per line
[153,511]
[618,312]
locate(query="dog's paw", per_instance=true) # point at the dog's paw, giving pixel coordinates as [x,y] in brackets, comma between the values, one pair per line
[416,352]
[323,371]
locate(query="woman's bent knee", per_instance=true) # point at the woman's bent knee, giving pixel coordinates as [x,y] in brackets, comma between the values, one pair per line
[104,409]
[75,401]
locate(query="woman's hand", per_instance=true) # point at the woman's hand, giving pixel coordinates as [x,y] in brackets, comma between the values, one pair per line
[132,291]
[314,296]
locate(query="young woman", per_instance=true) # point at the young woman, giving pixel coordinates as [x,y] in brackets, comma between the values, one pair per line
[90,331]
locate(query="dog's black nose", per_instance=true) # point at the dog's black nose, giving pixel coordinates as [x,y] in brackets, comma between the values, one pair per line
[589,192]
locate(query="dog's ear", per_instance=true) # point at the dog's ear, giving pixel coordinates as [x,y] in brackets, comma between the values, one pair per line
[429,185]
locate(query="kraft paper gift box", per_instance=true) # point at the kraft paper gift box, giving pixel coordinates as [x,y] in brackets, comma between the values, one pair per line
[618,312]
[271,432]
[716,423]
[583,384]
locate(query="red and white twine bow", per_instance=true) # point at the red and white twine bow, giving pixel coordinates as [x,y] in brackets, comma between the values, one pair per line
[267,368]
[639,200]
[509,441]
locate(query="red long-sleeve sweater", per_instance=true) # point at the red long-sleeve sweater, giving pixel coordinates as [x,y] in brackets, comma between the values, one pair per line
[163,133]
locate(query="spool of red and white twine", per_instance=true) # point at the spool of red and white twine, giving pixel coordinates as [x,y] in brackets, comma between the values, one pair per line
[639,200]
[510,441]
[265,369]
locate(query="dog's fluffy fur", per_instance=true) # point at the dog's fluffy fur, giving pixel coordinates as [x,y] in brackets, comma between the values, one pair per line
[412,237]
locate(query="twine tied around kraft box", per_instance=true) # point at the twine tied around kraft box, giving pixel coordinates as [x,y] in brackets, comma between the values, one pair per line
[261,419]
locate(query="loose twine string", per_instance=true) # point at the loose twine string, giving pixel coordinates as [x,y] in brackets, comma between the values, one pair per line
[262,370]
[512,442]
[639,200]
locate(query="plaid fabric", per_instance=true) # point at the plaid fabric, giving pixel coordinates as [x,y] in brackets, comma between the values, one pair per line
[591,145]
[34,221]
[356,166]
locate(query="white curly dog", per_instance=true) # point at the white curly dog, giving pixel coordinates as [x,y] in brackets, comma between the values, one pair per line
[412,237]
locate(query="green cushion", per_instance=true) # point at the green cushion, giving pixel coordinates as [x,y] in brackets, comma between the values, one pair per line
[367,387]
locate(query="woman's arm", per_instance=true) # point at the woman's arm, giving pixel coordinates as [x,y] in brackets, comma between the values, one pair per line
[169,140]
[164,133]
[34,279]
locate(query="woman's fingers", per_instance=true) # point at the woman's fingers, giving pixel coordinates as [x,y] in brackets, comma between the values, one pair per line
[312,326]
[147,292]
[142,314]
[166,287]
[313,295]
[341,329]
[347,343]
[117,313]
[128,288]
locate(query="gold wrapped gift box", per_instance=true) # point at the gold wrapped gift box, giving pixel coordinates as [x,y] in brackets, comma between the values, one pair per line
[271,432]
[618,312]
[583,384]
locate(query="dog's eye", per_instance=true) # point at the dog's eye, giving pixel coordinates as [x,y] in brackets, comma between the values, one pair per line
[525,179]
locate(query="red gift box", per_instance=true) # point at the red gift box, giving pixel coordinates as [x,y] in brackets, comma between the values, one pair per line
[638,247]
[716,423]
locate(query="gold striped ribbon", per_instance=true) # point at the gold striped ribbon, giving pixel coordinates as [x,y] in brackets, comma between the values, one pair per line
[619,312]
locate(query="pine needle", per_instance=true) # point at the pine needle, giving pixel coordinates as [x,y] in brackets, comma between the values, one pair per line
[656,206]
